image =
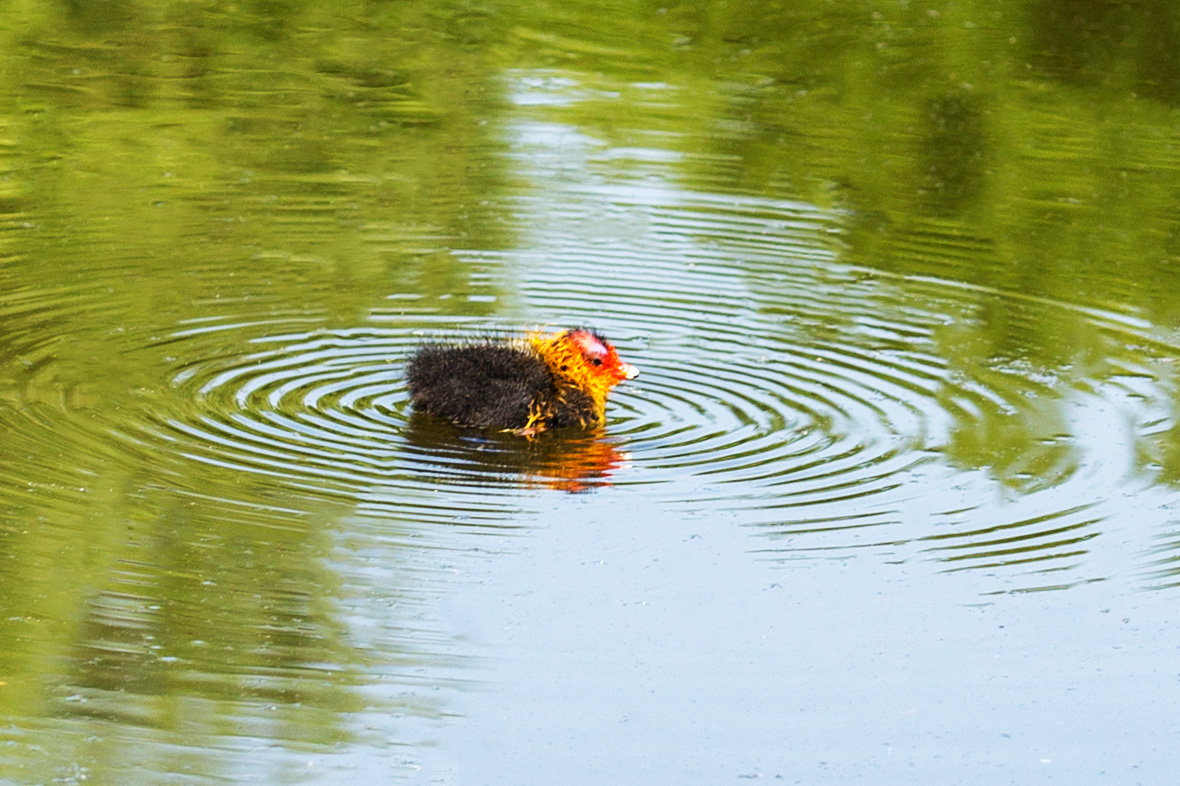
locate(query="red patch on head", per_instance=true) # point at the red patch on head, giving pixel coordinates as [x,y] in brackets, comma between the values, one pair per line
[590,345]
[602,355]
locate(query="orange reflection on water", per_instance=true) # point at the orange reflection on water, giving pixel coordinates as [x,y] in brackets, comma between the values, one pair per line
[566,460]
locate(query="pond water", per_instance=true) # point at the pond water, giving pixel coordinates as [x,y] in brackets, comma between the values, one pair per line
[895,496]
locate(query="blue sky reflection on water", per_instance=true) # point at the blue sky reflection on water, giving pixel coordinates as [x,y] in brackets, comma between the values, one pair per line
[921,617]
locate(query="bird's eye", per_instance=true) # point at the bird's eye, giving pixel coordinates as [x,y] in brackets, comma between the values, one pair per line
[597,361]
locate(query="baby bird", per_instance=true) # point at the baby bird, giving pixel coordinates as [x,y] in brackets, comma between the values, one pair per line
[525,386]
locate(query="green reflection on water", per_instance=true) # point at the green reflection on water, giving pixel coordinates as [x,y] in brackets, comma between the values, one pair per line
[265,162]
[275,161]
[1030,154]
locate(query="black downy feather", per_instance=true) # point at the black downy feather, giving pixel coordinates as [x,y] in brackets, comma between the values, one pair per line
[479,385]
[491,385]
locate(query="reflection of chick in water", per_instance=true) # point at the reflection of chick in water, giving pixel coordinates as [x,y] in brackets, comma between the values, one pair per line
[569,460]
[525,386]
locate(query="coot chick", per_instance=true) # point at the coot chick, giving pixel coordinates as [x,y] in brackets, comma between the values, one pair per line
[525,386]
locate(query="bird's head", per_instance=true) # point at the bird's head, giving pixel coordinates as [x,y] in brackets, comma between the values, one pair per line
[583,359]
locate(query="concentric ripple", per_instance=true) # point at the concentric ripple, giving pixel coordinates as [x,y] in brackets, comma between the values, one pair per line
[832,406]
[327,412]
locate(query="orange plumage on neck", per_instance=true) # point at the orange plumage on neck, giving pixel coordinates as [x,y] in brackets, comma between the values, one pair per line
[579,359]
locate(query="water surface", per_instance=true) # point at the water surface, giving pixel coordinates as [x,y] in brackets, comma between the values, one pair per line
[893,498]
